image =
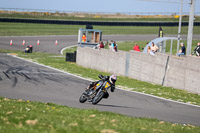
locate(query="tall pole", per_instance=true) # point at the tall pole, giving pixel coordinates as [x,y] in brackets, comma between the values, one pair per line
[190,28]
[179,27]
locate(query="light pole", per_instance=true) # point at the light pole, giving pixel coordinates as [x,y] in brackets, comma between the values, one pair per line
[179,27]
[190,28]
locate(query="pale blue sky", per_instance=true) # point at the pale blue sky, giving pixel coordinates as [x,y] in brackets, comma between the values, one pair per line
[102,5]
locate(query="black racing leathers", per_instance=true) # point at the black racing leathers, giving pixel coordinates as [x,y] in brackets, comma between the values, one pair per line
[104,78]
[196,51]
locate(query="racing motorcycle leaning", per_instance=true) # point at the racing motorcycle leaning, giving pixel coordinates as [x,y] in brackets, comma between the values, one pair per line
[98,90]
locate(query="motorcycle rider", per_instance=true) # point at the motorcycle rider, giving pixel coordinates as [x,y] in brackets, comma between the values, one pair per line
[111,79]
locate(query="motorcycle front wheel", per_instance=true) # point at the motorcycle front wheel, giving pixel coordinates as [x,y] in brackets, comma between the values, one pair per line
[82,98]
[98,98]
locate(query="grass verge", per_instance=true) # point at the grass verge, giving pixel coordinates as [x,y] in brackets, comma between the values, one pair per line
[27,116]
[123,82]
[25,29]
[94,17]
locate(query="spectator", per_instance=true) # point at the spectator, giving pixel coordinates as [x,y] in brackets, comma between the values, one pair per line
[149,51]
[110,47]
[27,49]
[115,46]
[197,50]
[31,48]
[84,38]
[154,48]
[101,45]
[136,47]
[182,50]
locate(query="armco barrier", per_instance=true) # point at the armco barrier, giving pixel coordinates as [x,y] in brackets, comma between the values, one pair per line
[40,21]
[162,69]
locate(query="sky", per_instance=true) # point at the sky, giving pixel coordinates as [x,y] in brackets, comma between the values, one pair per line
[114,6]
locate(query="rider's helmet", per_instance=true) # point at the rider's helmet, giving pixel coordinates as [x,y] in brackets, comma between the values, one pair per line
[113,79]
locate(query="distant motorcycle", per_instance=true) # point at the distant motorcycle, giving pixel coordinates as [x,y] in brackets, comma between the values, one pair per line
[95,93]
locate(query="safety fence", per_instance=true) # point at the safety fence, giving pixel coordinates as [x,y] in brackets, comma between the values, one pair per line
[162,69]
[98,23]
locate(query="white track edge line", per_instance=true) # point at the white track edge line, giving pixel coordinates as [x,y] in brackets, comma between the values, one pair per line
[92,80]
[61,51]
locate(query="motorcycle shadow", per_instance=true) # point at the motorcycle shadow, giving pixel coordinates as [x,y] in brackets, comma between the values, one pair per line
[115,106]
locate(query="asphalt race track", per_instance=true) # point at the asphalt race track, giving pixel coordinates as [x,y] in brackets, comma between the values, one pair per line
[24,80]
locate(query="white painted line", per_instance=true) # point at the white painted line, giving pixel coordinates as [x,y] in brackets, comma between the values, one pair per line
[93,80]
[61,51]
[160,98]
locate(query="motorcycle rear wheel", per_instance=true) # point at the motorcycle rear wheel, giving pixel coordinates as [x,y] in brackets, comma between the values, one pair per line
[98,98]
[82,98]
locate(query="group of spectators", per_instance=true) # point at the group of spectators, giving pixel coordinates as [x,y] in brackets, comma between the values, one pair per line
[28,49]
[150,49]
[196,51]
[154,48]
[112,45]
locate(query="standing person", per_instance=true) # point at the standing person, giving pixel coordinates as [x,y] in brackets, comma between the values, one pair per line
[115,46]
[197,50]
[154,48]
[110,47]
[84,38]
[101,45]
[182,50]
[31,48]
[136,47]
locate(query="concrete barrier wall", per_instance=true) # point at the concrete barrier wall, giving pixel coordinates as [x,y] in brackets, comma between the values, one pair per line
[103,60]
[147,67]
[177,72]
[183,73]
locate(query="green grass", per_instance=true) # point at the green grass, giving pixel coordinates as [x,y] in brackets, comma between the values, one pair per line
[123,82]
[32,117]
[23,29]
[27,29]
[90,17]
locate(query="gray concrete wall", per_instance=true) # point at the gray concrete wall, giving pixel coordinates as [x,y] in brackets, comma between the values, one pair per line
[103,60]
[183,73]
[177,72]
[147,67]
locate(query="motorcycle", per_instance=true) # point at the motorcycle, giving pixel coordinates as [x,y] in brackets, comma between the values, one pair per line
[96,93]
